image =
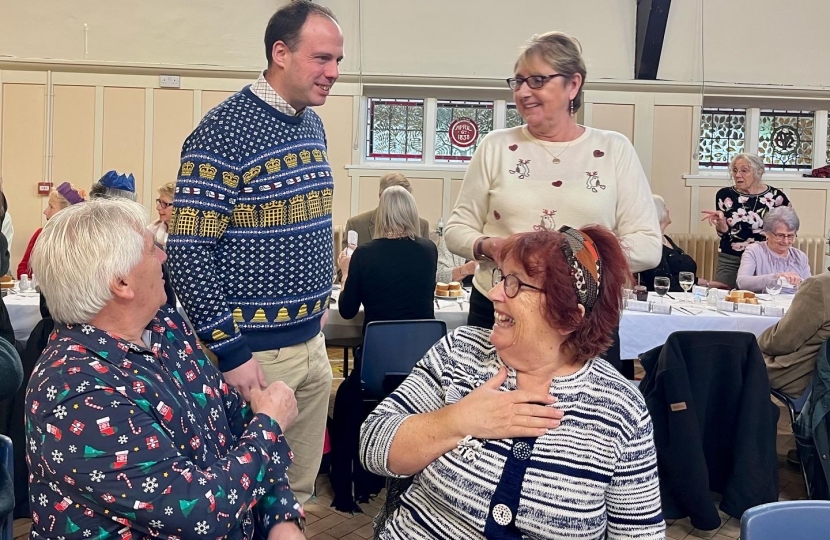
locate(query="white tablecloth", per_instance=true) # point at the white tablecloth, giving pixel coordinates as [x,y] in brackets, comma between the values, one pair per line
[640,332]
[449,311]
[24,313]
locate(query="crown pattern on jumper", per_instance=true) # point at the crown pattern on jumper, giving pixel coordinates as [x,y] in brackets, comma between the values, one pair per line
[210,224]
[237,315]
[316,308]
[186,220]
[244,215]
[273,165]
[305,157]
[273,213]
[290,160]
[207,171]
[187,168]
[259,316]
[229,179]
[282,315]
[252,173]
[325,155]
[318,155]
[303,312]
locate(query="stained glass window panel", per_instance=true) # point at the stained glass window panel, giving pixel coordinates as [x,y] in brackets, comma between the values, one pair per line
[785,139]
[395,130]
[828,138]
[480,112]
[513,118]
[722,135]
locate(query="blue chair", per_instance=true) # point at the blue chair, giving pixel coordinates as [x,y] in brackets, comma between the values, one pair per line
[392,348]
[799,520]
[7,461]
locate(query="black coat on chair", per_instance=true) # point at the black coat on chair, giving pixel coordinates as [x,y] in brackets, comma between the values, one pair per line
[714,424]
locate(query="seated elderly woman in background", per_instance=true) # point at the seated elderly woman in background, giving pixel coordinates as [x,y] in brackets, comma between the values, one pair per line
[775,259]
[674,259]
[113,184]
[522,431]
[131,431]
[61,197]
[393,276]
[452,267]
[164,207]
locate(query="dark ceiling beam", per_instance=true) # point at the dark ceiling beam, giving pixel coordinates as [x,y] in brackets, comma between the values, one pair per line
[652,17]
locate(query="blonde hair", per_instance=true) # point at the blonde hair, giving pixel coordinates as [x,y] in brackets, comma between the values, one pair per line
[561,51]
[397,214]
[106,232]
[394,179]
[62,200]
[167,190]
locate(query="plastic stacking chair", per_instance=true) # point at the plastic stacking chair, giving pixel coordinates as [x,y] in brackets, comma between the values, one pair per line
[392,348]
[7,461]
[798,520]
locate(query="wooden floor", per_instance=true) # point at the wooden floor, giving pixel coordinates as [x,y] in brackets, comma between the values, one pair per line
[325,523]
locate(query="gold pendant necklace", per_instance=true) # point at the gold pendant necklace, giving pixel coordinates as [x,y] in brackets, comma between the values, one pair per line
[556,160]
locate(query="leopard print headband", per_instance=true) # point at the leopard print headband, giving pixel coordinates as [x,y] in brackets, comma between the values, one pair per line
[586,266]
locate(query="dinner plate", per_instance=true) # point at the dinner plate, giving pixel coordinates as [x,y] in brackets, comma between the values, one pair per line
[448,297]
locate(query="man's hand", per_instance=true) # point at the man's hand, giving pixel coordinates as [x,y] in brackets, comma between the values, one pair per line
[278,402]
[247,377]
[324,319]
[286,530]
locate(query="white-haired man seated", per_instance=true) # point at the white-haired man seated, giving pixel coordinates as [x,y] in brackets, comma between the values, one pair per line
[131,431]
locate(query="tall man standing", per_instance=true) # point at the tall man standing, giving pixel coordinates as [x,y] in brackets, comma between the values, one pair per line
[250,246]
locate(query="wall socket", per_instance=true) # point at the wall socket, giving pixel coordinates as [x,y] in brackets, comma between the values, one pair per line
[170,81]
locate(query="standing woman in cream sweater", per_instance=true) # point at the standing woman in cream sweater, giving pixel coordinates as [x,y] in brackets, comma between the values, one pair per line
[550,172]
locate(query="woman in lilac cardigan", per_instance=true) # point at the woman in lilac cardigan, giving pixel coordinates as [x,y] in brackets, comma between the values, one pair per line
[765,262]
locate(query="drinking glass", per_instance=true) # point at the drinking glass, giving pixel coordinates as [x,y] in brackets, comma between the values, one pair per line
[687,280]
[661,286]
[773,288]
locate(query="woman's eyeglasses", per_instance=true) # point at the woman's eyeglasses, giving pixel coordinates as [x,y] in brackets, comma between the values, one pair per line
[785,236]
[512,284]
[163,204]
[535,82]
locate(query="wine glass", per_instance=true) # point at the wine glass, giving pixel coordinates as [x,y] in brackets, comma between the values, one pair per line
[661,286]
[773,288]
[687,279]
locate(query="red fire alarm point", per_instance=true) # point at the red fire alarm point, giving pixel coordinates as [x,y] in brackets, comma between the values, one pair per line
[43,188]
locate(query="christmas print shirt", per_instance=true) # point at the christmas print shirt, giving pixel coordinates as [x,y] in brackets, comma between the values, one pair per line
[129,442]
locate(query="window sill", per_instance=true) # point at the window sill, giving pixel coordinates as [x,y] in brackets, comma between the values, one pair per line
[408,166]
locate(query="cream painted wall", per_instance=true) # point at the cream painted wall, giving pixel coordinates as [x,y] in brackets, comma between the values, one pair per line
[747,41]
[462,38]
[672,153]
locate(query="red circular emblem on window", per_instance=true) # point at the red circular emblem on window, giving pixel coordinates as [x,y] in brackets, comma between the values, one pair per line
[463,132]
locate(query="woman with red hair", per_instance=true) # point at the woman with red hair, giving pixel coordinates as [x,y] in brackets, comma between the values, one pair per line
[522,431]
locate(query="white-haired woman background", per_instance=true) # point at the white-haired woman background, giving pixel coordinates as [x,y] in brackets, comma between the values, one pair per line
[766,262]
[739,214]
[674,259]
[393,276]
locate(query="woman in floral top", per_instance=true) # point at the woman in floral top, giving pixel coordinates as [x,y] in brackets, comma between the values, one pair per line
[739,217]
